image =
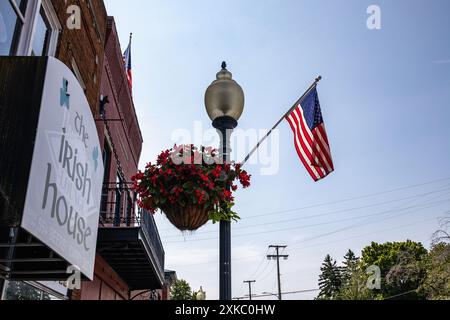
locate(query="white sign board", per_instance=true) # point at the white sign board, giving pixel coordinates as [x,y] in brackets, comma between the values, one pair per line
[64,190]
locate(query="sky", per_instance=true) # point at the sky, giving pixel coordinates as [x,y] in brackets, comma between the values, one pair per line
[386,104]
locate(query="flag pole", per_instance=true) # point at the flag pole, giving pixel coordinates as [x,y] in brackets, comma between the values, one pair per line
[311,88]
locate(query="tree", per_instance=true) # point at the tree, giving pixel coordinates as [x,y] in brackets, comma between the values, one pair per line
[351,262]
[443,234]
[355,288]
[330,280]
[436,285]
[181,290]
[354,280]
[401,265]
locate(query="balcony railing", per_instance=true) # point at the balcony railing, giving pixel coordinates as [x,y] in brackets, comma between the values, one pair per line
[119,210]
[118,206]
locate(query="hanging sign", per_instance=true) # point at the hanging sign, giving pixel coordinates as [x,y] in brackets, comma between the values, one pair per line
[64,190]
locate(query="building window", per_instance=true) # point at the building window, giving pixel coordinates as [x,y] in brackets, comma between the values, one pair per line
[12,20]
[48,14]
[28,28]
[30,291]
[42,32]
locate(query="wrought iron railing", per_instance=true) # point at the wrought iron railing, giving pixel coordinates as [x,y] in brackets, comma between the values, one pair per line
[147,222]
[118,206]
[119,209]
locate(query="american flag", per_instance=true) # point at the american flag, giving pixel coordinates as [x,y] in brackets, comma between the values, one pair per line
[127,65]
[310,137]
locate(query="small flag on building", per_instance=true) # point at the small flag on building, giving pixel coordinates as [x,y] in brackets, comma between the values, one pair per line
[310,137]
[127,65]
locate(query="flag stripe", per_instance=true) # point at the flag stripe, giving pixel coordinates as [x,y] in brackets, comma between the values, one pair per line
[306,139]
[312,172]
[323,155]
[310,138]
[300,150]
[313,160]
[320,158]
[324,135]
[321,137]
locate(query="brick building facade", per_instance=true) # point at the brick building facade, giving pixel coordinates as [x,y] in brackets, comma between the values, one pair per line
[82,50]
[135,263]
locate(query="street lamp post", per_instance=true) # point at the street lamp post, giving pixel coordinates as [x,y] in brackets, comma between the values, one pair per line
[224,101]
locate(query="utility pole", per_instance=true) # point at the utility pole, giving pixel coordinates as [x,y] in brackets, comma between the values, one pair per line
[277,257]
[250,288]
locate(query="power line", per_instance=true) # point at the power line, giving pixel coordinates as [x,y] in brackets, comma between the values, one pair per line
[349,199]
[308,226]
[401,294]
[408,210]
[283,293]
[328,213]
[363,235]
[314,245]
[266,265]
[268,273]
[259,266]
[341,201]
[343,229]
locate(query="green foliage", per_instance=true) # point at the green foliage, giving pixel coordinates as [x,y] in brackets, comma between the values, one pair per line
[355,287]
[330,281]
[401,265]
[436,285]
[181,290]
[354,280]
[408,271]
[224,213]
[351,262]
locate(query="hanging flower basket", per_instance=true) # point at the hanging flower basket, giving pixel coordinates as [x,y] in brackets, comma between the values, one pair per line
[187,218]
[191,186]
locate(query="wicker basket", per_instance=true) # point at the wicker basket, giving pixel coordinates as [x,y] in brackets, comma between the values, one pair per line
[189,218]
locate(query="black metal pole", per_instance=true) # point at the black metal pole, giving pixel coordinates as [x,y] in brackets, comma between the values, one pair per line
[250,288]
[277,257]
[278,274]
[225,126]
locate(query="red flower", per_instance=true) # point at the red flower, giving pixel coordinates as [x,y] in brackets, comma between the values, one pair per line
[204,183]
[244,178]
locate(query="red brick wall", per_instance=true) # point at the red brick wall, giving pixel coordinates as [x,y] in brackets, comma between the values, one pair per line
[125,134]
[96,50]
[86,45]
